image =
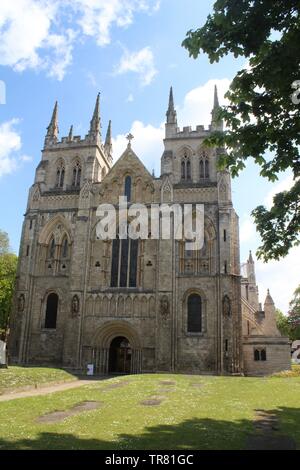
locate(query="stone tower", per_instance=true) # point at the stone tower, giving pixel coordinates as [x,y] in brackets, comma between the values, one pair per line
[50,258]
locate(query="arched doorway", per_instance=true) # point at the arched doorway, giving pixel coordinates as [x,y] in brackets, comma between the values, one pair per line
[120,355]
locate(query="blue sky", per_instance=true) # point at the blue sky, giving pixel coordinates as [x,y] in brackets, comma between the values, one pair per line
[130,51]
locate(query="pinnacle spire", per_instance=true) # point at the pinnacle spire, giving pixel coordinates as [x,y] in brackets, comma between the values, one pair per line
[95,125]
[171,100]
[216,122]
[52,129]
[171,112]
[71,133]
[216,98]
[269,299]
[108,139]
[250,259]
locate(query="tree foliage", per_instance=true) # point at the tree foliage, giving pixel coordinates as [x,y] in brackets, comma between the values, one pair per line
[8,267]
[294,315]
[262,120]
[282,323]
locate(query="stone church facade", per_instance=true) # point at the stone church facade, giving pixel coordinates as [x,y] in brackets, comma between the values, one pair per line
[136,305]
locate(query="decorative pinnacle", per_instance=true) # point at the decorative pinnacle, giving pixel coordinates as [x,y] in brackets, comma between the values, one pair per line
[171,112]
[171,100]
[95,126]
[52,129]
[108,134]
[71,133]
[216,98]
[250,260]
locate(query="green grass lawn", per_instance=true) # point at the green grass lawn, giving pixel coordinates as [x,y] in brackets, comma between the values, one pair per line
[15,378]
[196,412]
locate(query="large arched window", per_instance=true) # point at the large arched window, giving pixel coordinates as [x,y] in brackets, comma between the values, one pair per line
[124,262]
[127,189]
[194,314]
[76,175]
[51,311]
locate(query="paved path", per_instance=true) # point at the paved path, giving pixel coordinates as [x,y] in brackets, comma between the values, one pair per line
[34,392]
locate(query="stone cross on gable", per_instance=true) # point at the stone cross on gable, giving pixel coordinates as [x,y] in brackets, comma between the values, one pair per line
[129,137]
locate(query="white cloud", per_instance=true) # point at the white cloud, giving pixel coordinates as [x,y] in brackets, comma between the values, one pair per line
[41,34]
[130,98]
[140,62]
[281,277]
[10,146]
[247,229]
[284,185]
[147,144]
[98,16]
[198,103]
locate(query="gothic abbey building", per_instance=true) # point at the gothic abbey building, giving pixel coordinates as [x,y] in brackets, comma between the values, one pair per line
[137,305]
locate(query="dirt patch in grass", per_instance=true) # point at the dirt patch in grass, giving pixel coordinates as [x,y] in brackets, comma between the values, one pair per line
[151,402]
[116,385]
[266,436]
[58,416]
[196,385]
[167,382]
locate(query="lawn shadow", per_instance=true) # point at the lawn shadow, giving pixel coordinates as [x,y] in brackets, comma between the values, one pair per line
[197,434]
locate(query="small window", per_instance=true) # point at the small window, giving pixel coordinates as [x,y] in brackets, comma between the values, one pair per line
[225,267]
[256,355]
[51,311]
[260,355]
[183,170]
[201,169]
[76,175]
[60,176]
[188,170]
[226,345]
[127,191]
[194,311]
[30,224]
[225,235]
[27,250]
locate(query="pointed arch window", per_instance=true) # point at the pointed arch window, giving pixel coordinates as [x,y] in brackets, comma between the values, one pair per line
[124,262]
[60,176]
[201,169]
[65,248]
[194,314]
[76,175]
[127,188]
[185,168]
[52,248]
[51,311]
[188,170]
[206,166]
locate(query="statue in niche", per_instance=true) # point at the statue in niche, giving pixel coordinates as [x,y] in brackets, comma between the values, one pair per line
[164,307]
[21,303]
[75,306]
